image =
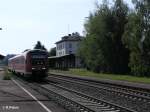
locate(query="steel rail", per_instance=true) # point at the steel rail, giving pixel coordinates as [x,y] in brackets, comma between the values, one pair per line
[132,94]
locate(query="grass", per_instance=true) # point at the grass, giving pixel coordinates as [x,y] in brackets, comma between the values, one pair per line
[84,72]
[7,75]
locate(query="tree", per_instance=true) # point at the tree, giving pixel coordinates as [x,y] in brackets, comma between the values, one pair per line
[76,34]
[52,51]
[120,55]
[40,46]
[93,48]
[137,38]
[103,49]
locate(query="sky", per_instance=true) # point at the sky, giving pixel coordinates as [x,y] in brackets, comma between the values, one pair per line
[24,22]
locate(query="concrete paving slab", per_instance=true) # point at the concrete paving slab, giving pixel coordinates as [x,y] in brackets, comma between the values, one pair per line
[14,99]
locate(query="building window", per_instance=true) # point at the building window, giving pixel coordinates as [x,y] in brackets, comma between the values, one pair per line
[59,53]
[70,52]
[70,45]
[60,46]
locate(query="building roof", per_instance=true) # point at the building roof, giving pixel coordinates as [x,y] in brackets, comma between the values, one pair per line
[70,37]
[54,57]
[2,57]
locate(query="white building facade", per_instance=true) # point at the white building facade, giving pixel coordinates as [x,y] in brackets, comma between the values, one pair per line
[66,50]
[68,45]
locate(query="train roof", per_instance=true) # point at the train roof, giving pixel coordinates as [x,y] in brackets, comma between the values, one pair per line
[26,52]
[35,50]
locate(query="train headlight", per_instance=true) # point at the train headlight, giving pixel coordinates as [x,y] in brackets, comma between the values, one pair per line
[43,68]
[33,68]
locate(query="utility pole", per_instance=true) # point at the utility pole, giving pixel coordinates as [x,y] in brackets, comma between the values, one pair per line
[68,29]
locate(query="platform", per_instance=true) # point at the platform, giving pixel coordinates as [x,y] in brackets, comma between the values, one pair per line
[14,99]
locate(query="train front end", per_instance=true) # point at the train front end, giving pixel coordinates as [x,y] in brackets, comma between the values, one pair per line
[38,63]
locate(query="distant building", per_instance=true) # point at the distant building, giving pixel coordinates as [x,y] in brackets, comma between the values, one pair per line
[66,50]
[68,45]
[5,60]
[2,57]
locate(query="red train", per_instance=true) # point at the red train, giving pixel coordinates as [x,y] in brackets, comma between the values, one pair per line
[32,63]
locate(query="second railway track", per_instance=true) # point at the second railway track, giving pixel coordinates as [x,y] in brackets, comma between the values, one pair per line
[124,91]
[134,99]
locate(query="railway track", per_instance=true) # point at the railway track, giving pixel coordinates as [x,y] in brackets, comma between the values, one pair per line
[132,95]
[123,91]
[73,100]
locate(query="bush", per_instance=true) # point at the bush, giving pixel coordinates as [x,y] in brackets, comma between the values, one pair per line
[7,75]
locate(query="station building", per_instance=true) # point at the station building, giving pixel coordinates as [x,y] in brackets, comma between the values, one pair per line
[2,57]
[66,52]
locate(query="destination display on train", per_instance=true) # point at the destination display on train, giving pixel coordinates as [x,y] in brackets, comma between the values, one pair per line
[38,56]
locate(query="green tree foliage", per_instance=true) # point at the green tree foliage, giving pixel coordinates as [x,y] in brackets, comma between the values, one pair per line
[137,38]
[120,54]
[52,51]
[91,48]
[40,46]
[103,49]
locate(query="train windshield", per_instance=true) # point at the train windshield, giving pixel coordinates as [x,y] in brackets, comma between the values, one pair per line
[38,59]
